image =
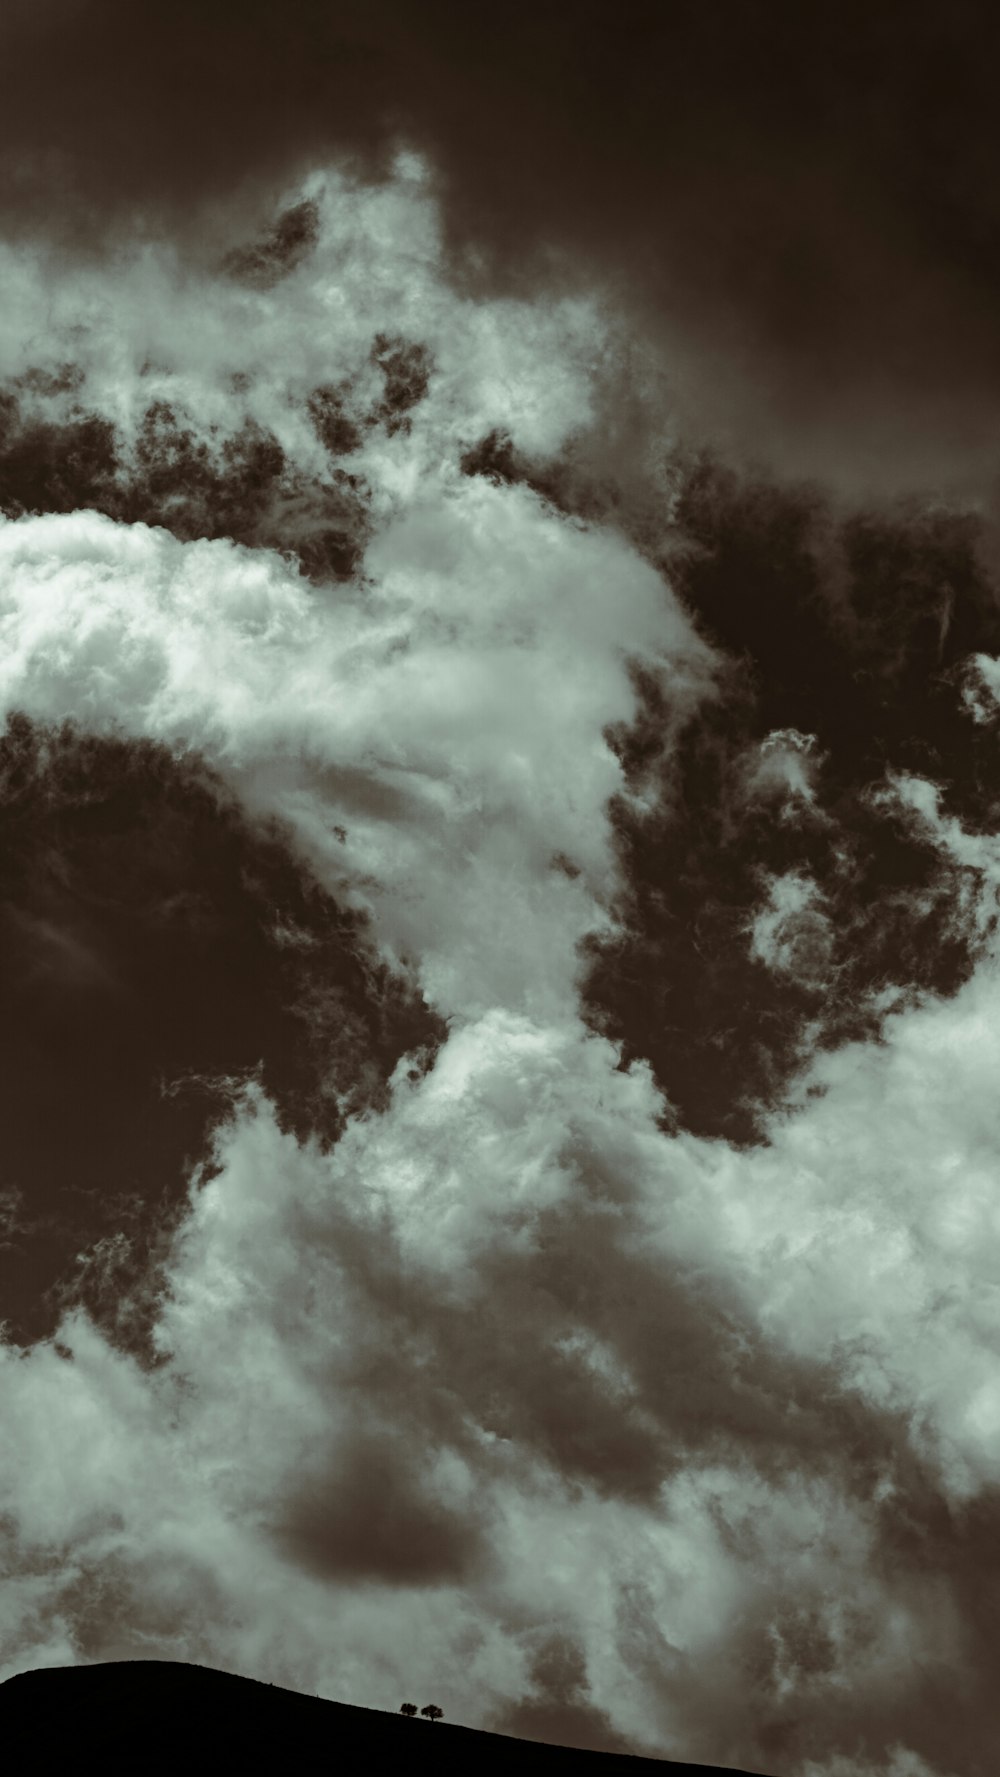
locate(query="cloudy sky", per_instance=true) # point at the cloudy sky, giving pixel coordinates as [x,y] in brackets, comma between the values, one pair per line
[500,863]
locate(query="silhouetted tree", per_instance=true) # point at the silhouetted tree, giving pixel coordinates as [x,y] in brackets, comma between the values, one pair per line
[432,1710]
[407,1709]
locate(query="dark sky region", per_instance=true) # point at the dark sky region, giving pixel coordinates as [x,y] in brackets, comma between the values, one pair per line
[499,864]
[800,203]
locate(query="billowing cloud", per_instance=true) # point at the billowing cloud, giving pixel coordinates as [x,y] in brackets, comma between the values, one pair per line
[586,1320]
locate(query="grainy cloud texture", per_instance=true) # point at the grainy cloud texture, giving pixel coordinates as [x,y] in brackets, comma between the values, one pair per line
[498,899]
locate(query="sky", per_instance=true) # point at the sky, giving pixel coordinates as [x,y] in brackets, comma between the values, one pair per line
[500,863]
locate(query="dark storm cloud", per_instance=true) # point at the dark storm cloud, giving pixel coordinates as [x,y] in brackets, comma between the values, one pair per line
[157,951]
[558,1710]
[803,200]
[367,1515]
[950,1714]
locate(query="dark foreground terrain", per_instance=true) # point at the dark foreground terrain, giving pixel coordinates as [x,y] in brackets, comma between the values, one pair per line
[143,1715]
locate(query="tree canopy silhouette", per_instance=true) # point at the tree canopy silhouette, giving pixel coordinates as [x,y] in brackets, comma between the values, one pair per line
[432,1710]
[407,1709]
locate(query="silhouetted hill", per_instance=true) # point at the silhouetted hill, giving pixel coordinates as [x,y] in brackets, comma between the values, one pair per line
[134,1715]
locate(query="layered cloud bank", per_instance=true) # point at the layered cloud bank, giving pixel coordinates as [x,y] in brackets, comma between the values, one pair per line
[617,1376]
